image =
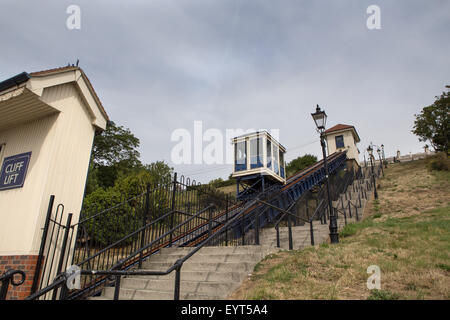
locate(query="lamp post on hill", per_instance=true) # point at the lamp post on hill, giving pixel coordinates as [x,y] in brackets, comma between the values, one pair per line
[370,151]
[381,162]
[320,119]
[384,159]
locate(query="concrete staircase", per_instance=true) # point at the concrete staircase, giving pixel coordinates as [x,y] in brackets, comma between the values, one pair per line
[211,273]
[215,272]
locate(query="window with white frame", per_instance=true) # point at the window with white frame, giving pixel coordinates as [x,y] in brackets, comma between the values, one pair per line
[339,142]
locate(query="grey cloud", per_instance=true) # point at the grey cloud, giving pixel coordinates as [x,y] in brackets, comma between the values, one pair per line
[160,65]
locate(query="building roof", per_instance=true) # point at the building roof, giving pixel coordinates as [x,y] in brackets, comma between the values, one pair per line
[258,133]
[341,127]
[25,76]
[72,68]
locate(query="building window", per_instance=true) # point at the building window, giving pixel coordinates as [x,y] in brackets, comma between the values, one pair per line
[276,159]
[281,164]
[340,142]
[256,153]
[269,154]
[241,156]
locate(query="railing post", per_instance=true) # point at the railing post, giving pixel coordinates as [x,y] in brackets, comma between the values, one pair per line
[176,295]
[226,220]
[243,229]
[64,289]
[117,288]
[62,254]
[209,222]
[278,235]
[290,233]
[144,222]
[257,228]
[4,288]
[172,207]
[37,271]
[357,217]
[311,232]
[349,210]
[359,198]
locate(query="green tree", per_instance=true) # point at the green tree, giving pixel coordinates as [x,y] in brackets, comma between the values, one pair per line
[300,163]
[432,123]
[114,155]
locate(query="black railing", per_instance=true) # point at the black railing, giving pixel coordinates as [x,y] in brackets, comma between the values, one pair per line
[8,278]
[61,280]
[111,241]
[174,212]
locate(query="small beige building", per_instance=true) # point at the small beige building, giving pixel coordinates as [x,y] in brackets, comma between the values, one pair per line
[343,137]
[48,121]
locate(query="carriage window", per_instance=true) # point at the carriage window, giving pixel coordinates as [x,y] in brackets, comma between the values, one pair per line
[256,153]
[339,142]
[240,152]
[281,164]
[276,156]
[269,154]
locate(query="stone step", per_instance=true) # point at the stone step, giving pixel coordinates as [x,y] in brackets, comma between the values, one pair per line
[218,250]
[204,266]
[131,294]
[232,276]
[213,257]
[203,287]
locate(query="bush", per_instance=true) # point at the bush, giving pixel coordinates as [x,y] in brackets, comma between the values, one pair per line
[119,210]
[382,295]
[116,221]
[439,162]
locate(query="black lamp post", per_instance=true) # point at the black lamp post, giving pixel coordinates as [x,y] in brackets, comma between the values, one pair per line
[384,159]
[370,151]
[320,118]
[379,157]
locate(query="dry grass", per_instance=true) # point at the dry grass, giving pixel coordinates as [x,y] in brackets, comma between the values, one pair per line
[406,233]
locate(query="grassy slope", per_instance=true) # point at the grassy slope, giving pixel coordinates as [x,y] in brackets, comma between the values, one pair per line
[406,233]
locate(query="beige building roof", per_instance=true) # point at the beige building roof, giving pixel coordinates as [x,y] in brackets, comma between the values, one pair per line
[343,127]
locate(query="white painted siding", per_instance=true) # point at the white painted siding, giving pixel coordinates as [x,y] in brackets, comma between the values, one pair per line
[19,207]
[61,147]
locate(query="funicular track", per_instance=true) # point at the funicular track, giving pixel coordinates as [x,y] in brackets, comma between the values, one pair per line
[283,197]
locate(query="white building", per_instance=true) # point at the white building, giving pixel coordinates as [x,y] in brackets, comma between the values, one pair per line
[48,120]
[343,137]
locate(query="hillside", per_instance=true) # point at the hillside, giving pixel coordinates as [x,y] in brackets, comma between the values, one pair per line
[406,233]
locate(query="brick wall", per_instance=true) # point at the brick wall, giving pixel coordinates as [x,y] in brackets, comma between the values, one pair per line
[26,263]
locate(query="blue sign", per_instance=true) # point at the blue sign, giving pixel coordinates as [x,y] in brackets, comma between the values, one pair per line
[14,170]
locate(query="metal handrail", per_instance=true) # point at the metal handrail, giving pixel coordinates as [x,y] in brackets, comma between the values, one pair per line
[62,277]
[7,278]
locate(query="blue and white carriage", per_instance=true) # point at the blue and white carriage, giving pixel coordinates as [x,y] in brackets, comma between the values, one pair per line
[258,163]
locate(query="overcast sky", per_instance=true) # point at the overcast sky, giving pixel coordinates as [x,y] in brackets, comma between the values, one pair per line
[161,65]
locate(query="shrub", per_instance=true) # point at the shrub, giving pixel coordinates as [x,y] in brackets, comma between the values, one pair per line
[109,217]
[439,162]
[382,295]
[119,210]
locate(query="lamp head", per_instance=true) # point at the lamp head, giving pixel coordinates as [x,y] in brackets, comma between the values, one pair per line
[320,118]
